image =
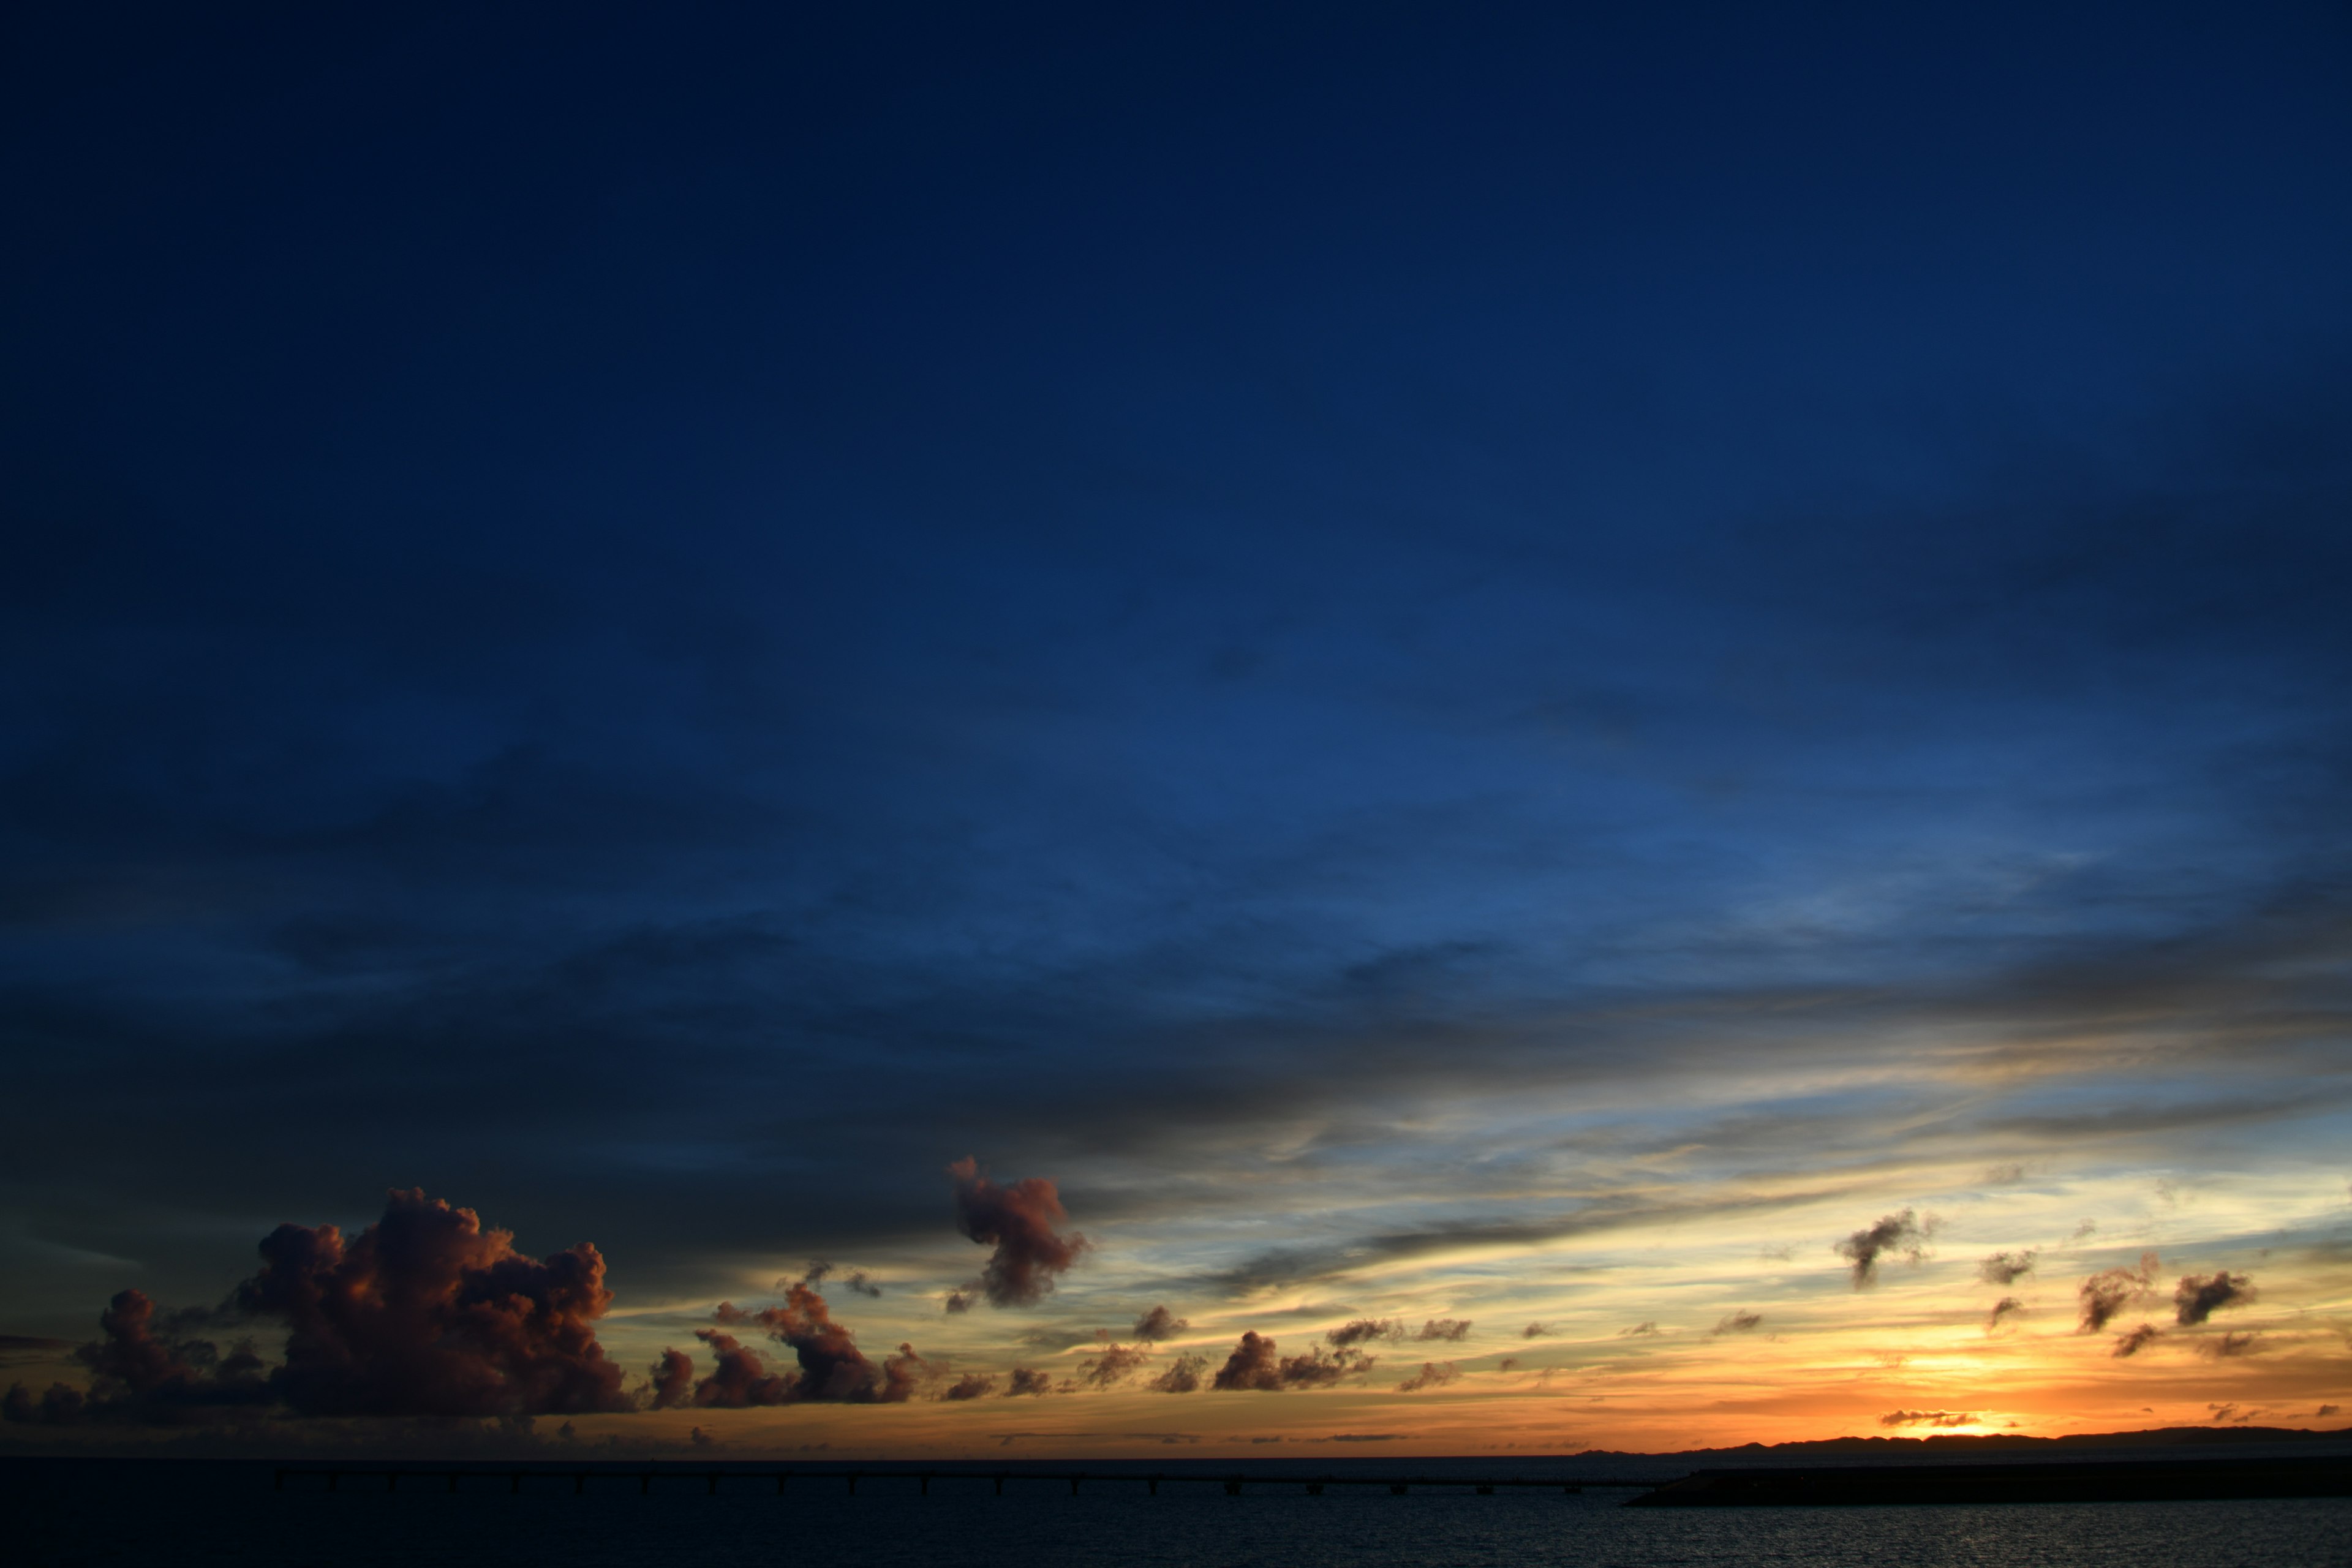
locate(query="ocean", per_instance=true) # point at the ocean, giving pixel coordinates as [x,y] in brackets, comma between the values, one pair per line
[62,1512]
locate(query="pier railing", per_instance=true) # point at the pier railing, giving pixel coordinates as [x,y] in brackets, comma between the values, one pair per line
[1234,1483]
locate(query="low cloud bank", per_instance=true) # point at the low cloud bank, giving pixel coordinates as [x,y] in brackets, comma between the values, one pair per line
[423,1313]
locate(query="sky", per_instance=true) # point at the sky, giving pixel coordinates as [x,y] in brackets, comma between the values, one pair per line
[922,728]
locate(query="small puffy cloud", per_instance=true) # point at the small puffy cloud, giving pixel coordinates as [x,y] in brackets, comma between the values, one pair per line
[2133,1341]
[1254,1364]
[1160,1324]
[2229,1346]
[1896,1235]
[2006,1267]
[2003,1309]
[1452,1331]
[1113,1364]
[672,1380]
[1365,1330]
[1927,1418]
[2326,1410]
[2108,1292]
[1641,1330]
[1181,1376]
[1534,1331]
[1735,1323]
[970,1386]
[1432,1375]
[1027,1381]
[1020,1221]
[2199,1297]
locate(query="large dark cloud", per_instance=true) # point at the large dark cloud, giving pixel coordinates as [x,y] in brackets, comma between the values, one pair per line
[423,1313]
[1020,1222]
[427,1314]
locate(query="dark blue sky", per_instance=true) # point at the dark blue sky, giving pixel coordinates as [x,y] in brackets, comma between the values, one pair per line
[664,623]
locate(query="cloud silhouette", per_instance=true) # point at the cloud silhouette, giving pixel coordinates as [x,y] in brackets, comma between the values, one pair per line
[2006,1267]
[832,1369]
[1113,1364]
[1452,1331]
[1927,1418]
[426,1312]
[1899,1234]
[2199,1297]
[1019,1221]
[1255,1364]
[1365,1330]
[1026,1381]
[1735,1323]
[2007,1307]
[1181,1376]
[672,1380]
[1157,1325]
[1432,1375]
[2110,1290]
[2135,1340]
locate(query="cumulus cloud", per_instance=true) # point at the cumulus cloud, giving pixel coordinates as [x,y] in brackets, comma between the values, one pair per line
[1927,1418]
[1453,1331]
[426,1312]
[1365,1330]
[2134,1341]
[740,1377]
[856,1282]
[1028,1380]
[1019,1221]
[2326,1410]
[145,1369]
[1160,1324]
[1182,1376]
[1641,1330]
[1432,1375]
[2008,1306]
[673,1379]
[1255,1364]
[1896,1235]
[2229,1345]
[1534,1331]
[832,1369]
[970,1386]
[1735,1323]
[1113,1364]
[2006,1267]
[2199,1297]
[2109,1291]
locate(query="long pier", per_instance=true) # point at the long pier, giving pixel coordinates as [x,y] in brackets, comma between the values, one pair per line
[1234,1483]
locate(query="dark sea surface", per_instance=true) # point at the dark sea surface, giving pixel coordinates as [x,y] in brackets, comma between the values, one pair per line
[59,1512]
